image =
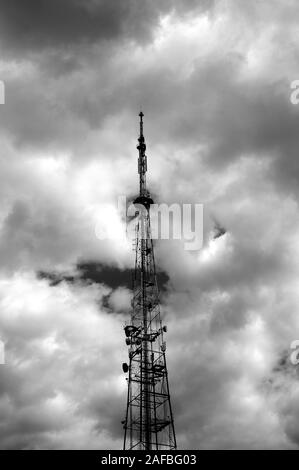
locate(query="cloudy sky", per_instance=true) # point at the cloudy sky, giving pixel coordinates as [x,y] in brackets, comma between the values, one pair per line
[213,79]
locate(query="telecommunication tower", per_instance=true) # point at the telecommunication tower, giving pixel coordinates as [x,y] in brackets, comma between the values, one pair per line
[149,421]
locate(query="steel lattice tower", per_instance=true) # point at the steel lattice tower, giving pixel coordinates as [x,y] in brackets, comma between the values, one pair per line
[149,420]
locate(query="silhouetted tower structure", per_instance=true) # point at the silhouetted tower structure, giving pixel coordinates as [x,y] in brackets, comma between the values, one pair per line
[149,420]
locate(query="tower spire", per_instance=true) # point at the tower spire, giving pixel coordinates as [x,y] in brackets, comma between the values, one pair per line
[149,420]
[141,122]
[142,159]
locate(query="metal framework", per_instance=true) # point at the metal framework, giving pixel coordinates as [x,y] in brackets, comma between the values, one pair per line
[149,420]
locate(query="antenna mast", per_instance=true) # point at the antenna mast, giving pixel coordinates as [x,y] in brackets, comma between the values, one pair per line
[149,420]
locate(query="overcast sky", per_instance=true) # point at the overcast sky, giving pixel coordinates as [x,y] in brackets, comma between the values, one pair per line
[213,79]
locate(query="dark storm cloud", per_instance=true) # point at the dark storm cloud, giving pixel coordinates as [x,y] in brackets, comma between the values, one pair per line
[97,273]
[218,230]
[37,24]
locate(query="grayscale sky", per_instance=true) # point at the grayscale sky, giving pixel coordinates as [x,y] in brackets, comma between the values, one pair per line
[213,79]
